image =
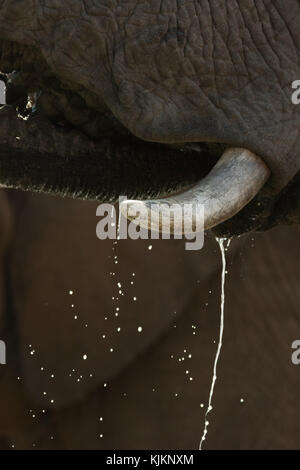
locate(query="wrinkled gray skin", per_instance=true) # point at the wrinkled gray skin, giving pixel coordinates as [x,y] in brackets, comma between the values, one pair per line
[169,72]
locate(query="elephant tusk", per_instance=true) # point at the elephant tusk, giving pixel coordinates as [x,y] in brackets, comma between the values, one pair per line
[232,183]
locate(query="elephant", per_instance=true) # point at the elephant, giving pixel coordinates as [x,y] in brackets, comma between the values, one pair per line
[152,99]
[111,344]
[63,387]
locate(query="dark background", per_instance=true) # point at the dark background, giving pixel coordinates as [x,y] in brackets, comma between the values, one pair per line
[139,396]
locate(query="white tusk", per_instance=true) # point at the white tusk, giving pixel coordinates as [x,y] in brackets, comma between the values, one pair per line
[232,183]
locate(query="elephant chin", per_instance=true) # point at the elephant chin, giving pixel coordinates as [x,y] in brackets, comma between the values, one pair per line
[233,182]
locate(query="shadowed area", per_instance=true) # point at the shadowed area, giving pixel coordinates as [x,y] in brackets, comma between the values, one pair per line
[149,400]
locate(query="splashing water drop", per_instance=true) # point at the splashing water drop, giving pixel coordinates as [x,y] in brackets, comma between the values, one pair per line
[223,249]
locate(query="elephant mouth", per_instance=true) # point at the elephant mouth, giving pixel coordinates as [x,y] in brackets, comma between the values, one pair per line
[106,161]
[70,144]
[221,178]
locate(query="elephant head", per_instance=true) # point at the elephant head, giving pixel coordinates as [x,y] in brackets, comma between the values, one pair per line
[151,98]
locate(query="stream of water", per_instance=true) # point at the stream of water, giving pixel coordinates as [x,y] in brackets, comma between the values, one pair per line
[221,242]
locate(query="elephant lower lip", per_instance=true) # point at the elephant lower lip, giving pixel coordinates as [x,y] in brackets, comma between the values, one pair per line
[234,181]
[39,156]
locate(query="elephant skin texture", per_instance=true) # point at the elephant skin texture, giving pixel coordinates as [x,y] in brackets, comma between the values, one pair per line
[111,345]
[185,75]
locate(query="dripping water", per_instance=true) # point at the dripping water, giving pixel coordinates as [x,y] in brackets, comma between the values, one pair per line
[221,242]
[119,225]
